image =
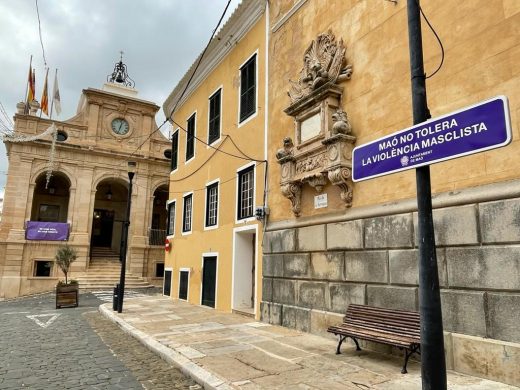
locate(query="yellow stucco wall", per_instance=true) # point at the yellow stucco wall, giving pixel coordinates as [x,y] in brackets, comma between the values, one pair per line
[482,52]
[209,165]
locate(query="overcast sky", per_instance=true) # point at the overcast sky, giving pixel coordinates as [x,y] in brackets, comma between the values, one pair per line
[160,40]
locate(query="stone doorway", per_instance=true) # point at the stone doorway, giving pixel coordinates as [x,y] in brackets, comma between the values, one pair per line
[109,214]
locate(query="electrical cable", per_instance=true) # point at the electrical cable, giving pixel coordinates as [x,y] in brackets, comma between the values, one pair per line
[40,30]
[193,73]
[438,40]
[221,151]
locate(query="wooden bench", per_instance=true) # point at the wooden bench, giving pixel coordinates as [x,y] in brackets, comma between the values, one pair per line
[398,328]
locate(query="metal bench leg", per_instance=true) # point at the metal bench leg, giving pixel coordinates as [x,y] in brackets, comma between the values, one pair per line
[357,344]
[341,339]
[407,354]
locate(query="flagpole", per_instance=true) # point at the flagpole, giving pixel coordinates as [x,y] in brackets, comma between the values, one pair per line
[53,88]
[27,89]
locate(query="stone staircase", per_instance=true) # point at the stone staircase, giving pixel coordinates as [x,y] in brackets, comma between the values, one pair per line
[104,271]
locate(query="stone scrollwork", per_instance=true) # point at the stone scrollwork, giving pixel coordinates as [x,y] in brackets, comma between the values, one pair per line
[323,62]
[293,192]
[341,177]
[323,141]
[310,163]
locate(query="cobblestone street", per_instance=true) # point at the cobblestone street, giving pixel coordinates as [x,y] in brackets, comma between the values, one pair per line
[44,348]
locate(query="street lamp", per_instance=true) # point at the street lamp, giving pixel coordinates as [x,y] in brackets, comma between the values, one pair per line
[124,238]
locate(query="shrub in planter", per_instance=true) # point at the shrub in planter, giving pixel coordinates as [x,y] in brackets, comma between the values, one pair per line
[66,293]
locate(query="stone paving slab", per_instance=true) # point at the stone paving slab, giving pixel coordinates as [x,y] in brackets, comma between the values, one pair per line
[229,351]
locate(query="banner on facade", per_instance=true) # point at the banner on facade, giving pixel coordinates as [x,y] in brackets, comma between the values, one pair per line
[47,231]
[474,129]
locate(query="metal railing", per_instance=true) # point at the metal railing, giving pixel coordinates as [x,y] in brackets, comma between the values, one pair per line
[156,237]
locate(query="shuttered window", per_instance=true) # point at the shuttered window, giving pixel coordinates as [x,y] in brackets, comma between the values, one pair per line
[211,204]
[175,150]
[248,89]
[190,138]
[171,219]
[187,214]
[214,117]
[246,190]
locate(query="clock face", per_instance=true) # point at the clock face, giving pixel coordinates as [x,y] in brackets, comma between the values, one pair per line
[120,126]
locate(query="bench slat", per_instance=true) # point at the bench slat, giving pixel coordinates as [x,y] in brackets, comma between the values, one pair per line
[383,333]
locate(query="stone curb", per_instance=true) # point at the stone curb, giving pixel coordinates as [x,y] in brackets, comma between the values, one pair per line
[203,377]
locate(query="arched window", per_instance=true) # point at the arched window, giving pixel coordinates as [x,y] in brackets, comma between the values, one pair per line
[51,201]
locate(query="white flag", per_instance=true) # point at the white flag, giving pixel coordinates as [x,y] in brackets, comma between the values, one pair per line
[56,95]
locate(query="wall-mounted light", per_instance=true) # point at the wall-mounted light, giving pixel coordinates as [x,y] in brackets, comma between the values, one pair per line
[109,193]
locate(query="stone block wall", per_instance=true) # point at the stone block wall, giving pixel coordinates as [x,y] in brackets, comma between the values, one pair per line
[312,273]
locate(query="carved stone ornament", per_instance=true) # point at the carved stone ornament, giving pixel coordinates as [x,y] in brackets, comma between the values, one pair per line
[323,143]
[323,62]
[293,191]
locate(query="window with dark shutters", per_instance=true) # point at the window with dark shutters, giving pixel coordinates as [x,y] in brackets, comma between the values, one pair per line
[175,150]
[248,89]
[214,117]
[246,190]
[171,219]
[190,138]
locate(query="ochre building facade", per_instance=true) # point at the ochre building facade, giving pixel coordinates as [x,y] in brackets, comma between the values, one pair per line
[331,242]
[218,170]
[87,193]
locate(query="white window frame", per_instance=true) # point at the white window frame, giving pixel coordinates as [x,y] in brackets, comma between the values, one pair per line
[252,218]
[209,254]
[221,88]
[183,211]
[179,289]
[174,219]
[240,124]
[178,148]
[206,203]
[194,139]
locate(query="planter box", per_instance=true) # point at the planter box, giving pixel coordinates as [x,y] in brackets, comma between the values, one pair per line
[67,296]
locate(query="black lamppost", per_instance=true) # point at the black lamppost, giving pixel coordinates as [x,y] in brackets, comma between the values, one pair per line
[124,238]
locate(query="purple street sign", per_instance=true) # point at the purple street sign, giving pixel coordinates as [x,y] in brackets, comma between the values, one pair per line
[47,231]
[473,129]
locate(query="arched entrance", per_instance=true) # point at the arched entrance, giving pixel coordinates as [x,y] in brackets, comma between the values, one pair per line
[157,233]
[109,214]
[51,204]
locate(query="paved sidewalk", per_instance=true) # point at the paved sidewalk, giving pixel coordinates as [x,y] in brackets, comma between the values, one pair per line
[229,351]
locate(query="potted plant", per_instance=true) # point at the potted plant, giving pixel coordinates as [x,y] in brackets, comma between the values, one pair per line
[66,293]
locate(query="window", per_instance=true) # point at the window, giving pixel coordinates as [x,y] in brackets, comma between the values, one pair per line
[190,138]
[159,270]
[61,136]
[175,150]
[171,219]
[214,117]
[168,154]
[187,215]
[211,204]
[49,212]
[42,268]
[183,284]
[248,89]
[246,189]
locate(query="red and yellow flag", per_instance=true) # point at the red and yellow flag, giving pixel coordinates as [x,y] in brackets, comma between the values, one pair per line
[45,96]
[32,82]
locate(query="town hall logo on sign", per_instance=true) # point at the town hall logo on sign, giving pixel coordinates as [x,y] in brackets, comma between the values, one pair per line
[474,129]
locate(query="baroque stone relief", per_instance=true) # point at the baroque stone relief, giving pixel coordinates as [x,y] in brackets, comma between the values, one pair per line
[323,62]
[322,148]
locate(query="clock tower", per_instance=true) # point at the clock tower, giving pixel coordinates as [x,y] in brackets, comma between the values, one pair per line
[87,191]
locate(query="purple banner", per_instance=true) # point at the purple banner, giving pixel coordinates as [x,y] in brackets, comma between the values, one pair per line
[474,129]
[47,231]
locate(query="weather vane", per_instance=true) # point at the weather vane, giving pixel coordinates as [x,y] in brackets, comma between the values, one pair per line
[120,74]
